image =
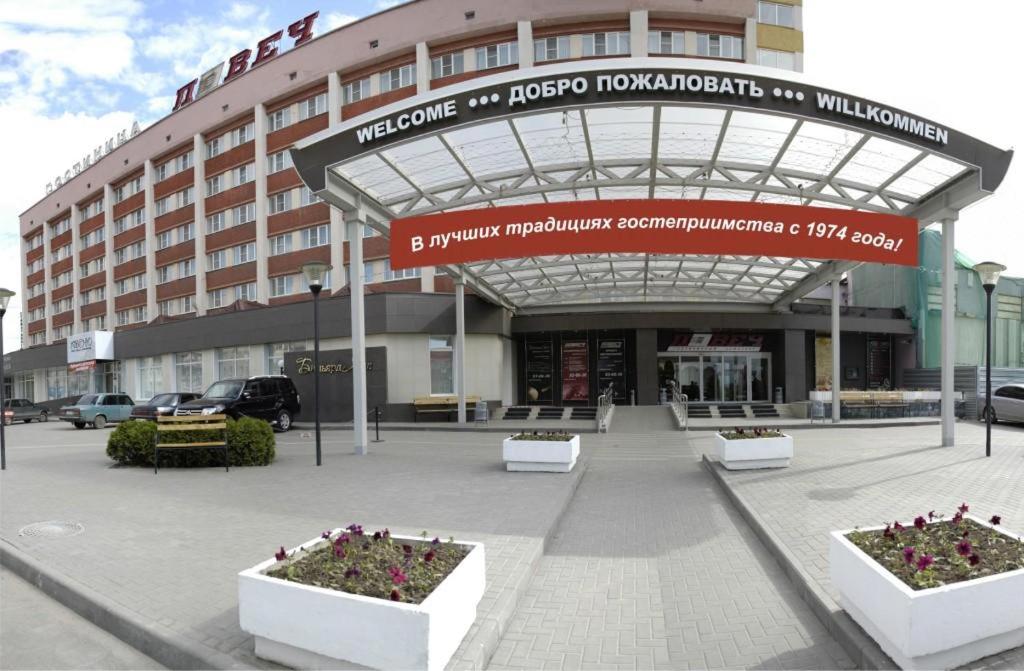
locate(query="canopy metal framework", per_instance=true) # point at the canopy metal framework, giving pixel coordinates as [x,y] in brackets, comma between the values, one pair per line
[646,151]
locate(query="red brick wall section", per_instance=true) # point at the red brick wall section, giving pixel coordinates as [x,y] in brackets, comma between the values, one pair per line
[37,326]
[183,287]
[61,266]
[182,250]
[35,278]
[231,236]
[129,268]
[286,136]
[174,218]
[373,102]
[35,302]
[128,237]
[243,153]
[231,198]
[226,277]
[130,204]
[92,252]
[305,94]
[175,182]
[59,241]
[282,180]
[63,319]
[93,309]
[92,281]
[62,292]
[91,224]
[33,254]
[302,217]
[293,298]
[130,300]
[376,247]
[287,264]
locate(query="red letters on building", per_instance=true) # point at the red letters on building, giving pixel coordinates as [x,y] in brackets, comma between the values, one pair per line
[302,30]
[184,95]
[267,48]
[238,64]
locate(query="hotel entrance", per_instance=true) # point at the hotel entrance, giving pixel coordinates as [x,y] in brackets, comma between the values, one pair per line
[716,367]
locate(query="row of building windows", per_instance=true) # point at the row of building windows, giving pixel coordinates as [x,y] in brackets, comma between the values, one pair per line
[93,237]
[176,236]
[175,201]
[173,166]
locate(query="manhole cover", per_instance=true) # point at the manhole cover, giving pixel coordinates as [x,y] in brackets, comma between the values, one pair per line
[52,529]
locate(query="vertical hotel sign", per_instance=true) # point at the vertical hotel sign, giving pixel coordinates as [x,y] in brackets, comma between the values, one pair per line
[575,377]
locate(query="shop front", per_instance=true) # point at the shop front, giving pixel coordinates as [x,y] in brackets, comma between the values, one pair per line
[716,367]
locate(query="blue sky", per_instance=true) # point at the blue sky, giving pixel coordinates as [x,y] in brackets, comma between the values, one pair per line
[73,73]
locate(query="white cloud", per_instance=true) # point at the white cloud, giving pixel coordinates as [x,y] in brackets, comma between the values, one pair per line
[241,10]
[78,16]
[44,55]
[337,19]
[193,45]
[388,4]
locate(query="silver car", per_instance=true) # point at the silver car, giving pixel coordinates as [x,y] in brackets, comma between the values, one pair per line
[1008,403]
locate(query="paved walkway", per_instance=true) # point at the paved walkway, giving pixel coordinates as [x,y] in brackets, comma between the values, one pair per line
[36,632]
[840,479]
[652,568]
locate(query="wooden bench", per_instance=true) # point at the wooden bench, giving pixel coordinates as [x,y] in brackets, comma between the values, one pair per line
[891,399]
[167,425]
[447,405]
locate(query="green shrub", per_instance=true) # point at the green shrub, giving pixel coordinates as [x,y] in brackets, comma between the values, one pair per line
[250,443]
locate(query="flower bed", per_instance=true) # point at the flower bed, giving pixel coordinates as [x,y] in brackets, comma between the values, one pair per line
[935,594]
[379,600]
[753,448]
[546,452]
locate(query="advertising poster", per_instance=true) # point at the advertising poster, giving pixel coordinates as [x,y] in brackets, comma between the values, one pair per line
[539,371]
[611,366]
[575,378]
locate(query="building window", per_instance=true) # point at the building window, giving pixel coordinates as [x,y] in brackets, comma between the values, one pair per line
[245,292]
[281,286]
[160,173]
[186,232]
[403,274]
[213,147]
[161,206]
[368,274]
[245,253]
[279,119]
[276,353]
[242,134]
[163,274]
[447,65]
[183,162]
[214,185]
[188,371]
[232,362]
[316,236]
[278,162]
[216,260]
[497,55]
[164,240]
[551,48]
[775,14]
[606,44]
[215,222]
[719,46]
[441,378]
[665,42]
[784,60]
[244,214]
[151,376]
[355,91]
[216,298]
[244,174]
[281,244]
[369,231]
[312,107]
[280,202]
[307,197]
[56,383]
[187,268]
[397,78]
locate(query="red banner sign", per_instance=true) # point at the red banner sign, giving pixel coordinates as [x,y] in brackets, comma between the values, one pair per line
[81,365]
[653,227]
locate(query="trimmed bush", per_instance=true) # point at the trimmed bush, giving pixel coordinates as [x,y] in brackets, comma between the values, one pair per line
[250,443]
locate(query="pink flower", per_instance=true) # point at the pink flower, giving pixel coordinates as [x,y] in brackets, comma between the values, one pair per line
[996,520]
[924,561]
[963,548]
[397,576]
[281,555]
[395,596]
[896,526]
[342,539]
[957,519]
[908,554]
[919,522]
[356,529]
[339,551]
[963,508]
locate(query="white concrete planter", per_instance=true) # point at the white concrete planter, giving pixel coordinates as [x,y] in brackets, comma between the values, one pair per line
[553,456]
[937,628]
[743,453]
[307,627]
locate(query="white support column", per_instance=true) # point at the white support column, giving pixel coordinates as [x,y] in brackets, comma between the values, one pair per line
[337,218]
[524,35]
[76,275]
[199,188]
[460,345]
[108,252]
[422,67]
[836,379]
[638,33]
[354,225]
[262,244]
[948,334]
[150,224]
[750,41]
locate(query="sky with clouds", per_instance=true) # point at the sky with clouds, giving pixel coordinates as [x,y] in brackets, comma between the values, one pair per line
[75,72]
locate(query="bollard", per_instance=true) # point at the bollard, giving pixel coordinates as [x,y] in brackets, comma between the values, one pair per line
[376,423]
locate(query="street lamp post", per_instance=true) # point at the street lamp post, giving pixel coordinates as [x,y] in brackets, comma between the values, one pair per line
[989,273]
[314,272]
[5,296]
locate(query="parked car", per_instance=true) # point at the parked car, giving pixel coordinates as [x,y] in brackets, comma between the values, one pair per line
[16,409]
[97,410]
[1008,403]
[269,397]
[161,405]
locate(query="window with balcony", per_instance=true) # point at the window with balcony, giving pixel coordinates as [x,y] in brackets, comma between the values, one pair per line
[215,185]
[405,273]
[316,236]
[244,174]
[242,134]
[244,214]
[245,253]
[281,286]
[245,292]
[281,244]
[216,260]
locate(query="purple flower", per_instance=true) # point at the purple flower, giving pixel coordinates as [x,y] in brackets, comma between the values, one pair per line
[963,508]
[888,532]
[395,596]
[397,576]
[429,557]
[965,534]
[342,539]
[339,551]
[281,555]
[326,535]
[957,519]
[974,559]
[353,572]
[407,549]
[919,522]
[896,526]
[908,554]
[931,515]
[963,548]
[377,535]
[356,529]
[996,520]
[924,561]
[436,541]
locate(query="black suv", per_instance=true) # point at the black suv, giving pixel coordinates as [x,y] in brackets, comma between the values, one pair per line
[269,397]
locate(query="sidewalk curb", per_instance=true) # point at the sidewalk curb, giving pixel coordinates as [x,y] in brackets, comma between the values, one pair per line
[454,428]
[810,425]
[857,644]
[150,638]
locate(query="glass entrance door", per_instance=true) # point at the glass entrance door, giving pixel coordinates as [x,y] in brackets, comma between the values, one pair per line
[734,378]
[688,377]
[760,377]
[739,377]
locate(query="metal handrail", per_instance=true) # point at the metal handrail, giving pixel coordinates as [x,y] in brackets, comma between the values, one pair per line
[680,404]
[605,402]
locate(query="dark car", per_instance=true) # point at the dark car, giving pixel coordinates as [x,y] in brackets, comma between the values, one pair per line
[161,405]
[22,409]
[269,397]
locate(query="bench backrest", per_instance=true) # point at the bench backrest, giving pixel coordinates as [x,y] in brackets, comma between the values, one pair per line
[192,423]
[429,401]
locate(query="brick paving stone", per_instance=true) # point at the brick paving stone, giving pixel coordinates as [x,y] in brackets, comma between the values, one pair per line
[843,478]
